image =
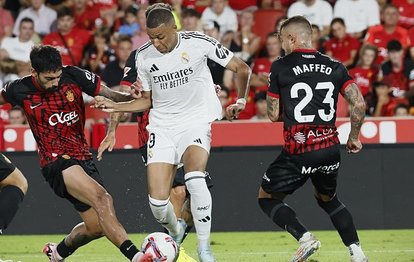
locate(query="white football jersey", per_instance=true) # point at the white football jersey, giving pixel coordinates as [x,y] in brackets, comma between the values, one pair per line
[182,87]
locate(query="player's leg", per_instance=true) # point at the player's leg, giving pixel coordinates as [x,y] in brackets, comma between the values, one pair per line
[13,187]
[84,190]
[281,178]
[325,183]
[195,161]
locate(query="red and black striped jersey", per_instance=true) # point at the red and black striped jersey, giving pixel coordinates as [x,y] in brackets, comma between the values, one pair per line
[308,84]
[56,117]
[130,76]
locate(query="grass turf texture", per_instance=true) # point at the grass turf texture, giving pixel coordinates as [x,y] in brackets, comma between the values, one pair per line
[379,246]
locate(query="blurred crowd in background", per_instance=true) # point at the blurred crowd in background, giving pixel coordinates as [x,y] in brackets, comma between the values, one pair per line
[373,38]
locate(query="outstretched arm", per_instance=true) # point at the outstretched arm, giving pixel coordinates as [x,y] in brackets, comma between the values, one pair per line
[137,105]
[108,142]
[113,95]
[243,72]
[357,114]
[272,108]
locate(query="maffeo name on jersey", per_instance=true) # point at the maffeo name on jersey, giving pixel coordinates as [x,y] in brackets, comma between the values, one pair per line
[173,79]
[323,169]
[69,118]
[305,68]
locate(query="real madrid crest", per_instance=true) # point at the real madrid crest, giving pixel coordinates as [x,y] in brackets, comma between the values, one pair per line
[70,96]
[185,58]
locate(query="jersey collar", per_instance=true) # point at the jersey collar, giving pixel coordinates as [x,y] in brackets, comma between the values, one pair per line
[34,82]
[311,50]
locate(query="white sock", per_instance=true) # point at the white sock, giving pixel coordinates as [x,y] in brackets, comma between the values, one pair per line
[163,212]
[305,237]
[201,204]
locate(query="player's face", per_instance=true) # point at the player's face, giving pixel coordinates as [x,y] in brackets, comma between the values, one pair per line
[368,57]
[164,38]
[285,40]
[48,80]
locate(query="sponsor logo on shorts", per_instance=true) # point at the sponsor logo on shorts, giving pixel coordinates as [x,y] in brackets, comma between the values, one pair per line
[323,169]
[265,177]
[299,138]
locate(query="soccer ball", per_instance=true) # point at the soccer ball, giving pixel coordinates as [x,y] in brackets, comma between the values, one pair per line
[161,246]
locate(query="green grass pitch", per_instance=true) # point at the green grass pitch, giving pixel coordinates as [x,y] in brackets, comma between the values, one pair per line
[379,245]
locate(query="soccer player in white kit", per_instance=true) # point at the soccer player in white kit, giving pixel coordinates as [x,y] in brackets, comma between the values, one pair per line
[173,74]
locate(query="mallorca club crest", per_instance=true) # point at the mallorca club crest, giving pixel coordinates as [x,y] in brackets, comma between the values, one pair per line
[299,138]
[70,96]
[185,58]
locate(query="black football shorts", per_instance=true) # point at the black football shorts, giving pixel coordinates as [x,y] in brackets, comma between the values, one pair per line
[6,167]
[289,172]
[53,175]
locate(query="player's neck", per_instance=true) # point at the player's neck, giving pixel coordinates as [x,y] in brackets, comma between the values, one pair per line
[174,45]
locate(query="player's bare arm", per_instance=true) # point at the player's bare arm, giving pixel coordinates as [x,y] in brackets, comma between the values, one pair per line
[243,72]
[137,105]
[109,141]
[116,96]
[272,108]
[357,114]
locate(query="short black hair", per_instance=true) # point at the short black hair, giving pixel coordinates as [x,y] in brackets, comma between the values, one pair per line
[26,20]
[338,20]
[297,19]
[394,45]
[158,14]
[260,96]
[190,12]
[64,11]
[45,58]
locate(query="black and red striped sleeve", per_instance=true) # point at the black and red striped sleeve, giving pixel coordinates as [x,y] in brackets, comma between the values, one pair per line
[274,88]
[130,70]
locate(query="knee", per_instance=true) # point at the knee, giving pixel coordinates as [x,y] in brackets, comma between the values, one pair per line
[101,199]
[330,205]
[195,182]
[17,179]
[95,231]
[178,193]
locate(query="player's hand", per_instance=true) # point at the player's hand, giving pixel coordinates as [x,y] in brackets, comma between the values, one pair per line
[104,104]
[353,146]
[218,89]
[233,111]
[107,143]
[136,89]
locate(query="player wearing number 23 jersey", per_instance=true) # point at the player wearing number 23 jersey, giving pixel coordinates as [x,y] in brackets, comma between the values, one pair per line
[308,84]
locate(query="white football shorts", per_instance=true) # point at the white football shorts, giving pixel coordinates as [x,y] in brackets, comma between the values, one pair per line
[169,145]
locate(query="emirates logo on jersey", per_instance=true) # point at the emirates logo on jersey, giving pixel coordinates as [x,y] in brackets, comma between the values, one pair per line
[299,138]
[70,96]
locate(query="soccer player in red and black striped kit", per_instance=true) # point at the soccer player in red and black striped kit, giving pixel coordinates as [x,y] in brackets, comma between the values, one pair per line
[307,85]
[52,100]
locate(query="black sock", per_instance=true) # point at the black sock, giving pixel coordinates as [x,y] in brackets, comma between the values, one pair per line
[283,216]
[63,250]
[341,219]
[128,249]
[10,199]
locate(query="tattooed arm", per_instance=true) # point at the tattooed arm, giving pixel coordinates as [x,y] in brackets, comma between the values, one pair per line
[357,114]
[115,96]
[272,108]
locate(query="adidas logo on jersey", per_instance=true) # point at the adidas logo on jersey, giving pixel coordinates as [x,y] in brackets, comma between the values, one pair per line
[154,68]
[198,140]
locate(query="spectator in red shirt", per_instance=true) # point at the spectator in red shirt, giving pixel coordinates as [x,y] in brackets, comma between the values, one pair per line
[261,66]
[406,10]
[68,40]
[365,73]
[398,72]
[341,46]
[382,103]
[380,35]
[86,15]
